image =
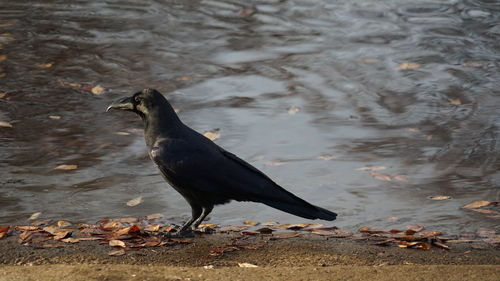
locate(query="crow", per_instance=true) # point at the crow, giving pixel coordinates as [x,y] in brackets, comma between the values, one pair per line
[204,173]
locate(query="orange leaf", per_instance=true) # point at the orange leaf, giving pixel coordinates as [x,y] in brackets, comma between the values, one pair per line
[477,204]
[66,167]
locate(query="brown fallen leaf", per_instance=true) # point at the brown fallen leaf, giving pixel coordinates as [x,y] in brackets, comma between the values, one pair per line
[183,78]
[483,211]
[439,197]
[233,228]
[477,204]
[41,222]
[116,253]
[70,240]
[209,225]
[134,202]
[111,225]
[293,110]
[440,245]
[5,124]
[34,216]
[3,95]
[154,216]
[62,234]
[251,233]
[122,133]
[3,234]
[153,227]
[66,167]
[52,229]
[369,230]
[63,223]
[97,90]
[46,65]
[74,84]
[408,66]
[25,228]
[293,226]
[269,223]
[265,230]
[116,243]
[128,220]
[326,157]
[252,223]
[380,176]
[415,227]
[54,117]
[213,134]
[455,102]
[245,264]
[429,234]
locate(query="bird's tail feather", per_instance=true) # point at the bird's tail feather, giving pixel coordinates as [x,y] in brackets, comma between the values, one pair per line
[307,211]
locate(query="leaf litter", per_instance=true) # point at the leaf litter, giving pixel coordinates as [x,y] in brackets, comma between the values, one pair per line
[124,234]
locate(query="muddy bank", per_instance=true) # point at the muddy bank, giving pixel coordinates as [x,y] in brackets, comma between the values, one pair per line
[308,250]
[302,258]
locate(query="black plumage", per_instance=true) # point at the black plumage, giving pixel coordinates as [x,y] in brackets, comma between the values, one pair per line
[201,171]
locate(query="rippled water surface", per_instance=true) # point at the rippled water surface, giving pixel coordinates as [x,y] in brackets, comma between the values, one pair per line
[412,86]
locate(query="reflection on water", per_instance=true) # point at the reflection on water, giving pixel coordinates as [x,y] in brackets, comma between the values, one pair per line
[410,86]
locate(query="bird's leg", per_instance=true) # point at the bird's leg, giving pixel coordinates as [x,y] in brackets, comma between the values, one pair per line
[196,212]
[204,214]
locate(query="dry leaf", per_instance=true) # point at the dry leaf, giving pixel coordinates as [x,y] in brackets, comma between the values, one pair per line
[233,228]
[408,66]
[265,230]
[245,264]
[46,65]
[439,197]
[5,124]
[115,253]
[52,229]
[111,225]
[70,240]
[66,167]
[63,223]
[269,223]
[135,201]
[209,225]
[253,223]
[371,168]
[326,157]
[380,176]
[74,84]
[154,216]
[415,227]
[128,220]
[367,229]
[455,102]
[3,95]
[293,110]
[212,135]
[117,243]
[293,226]
[477,204]
[54,117]
[26,228]
[34,216]
[122,133]
[153,227]
[97,90]
[63,233]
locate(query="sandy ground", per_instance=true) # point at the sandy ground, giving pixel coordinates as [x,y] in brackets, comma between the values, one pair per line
[302,258]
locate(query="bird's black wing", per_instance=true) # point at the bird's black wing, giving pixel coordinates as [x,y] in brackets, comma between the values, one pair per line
[207,168]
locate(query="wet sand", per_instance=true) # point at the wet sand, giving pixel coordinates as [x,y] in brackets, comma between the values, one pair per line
[302,258]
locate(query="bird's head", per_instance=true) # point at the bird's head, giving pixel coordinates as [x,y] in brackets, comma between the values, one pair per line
[142,103]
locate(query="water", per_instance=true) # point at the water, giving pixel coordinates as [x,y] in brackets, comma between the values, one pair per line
[240,67]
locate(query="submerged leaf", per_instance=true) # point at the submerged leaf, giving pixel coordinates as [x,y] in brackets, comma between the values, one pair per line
[477,204]
[408,66]
[66,167]
[134,202]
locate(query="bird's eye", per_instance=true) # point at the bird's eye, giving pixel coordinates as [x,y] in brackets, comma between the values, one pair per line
[137,99]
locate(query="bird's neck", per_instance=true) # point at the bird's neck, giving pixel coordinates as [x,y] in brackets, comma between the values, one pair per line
[161,124]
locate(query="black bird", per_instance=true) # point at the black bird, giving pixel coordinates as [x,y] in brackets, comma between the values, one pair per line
[201,171]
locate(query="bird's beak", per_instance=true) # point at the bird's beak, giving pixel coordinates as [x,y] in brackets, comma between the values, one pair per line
[122,104]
